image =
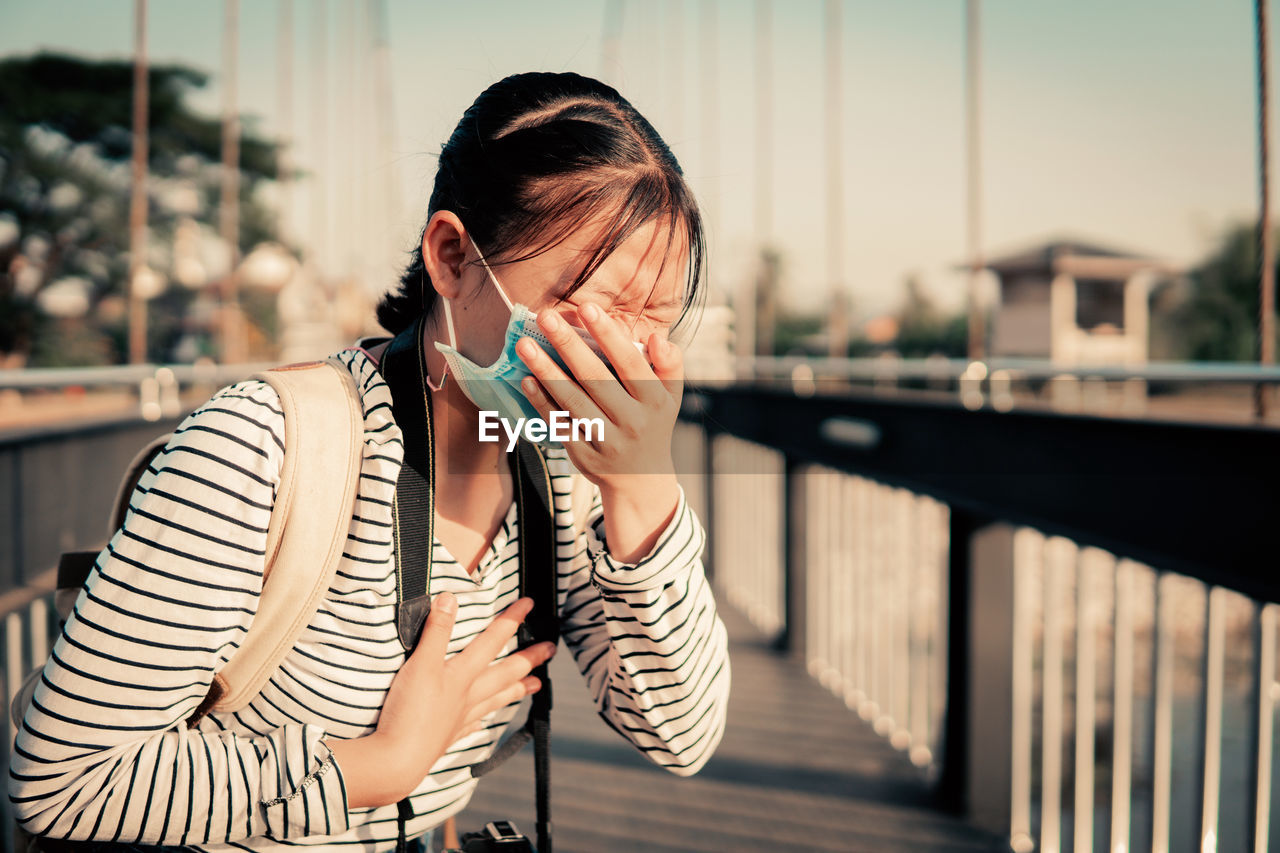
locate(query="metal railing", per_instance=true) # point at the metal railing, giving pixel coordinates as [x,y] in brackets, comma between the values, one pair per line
[977,585]
[158,387]
[974,583]
[1188,391]
[897,369]
[30,626]
[989,380]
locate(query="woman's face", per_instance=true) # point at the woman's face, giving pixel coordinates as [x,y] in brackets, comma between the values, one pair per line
[632,285]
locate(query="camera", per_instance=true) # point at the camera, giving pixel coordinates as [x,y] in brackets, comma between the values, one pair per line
[500,836]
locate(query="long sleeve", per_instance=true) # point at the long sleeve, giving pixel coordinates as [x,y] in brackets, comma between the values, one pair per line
[104,751]
[649,642]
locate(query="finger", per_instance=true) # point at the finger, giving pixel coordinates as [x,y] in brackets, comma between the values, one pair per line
[567,395]
[537,395]
[484,648]
[508,695]
[467,729]
[613,338]
[668,364]
[434,641]
[579,450]
[585,365]
[513,666]
[542,402]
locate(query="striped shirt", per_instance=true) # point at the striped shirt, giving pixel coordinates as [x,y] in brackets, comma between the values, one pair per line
[104,752]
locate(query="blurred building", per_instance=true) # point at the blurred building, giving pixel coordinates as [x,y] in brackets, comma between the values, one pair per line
[1074,303]
[708,346]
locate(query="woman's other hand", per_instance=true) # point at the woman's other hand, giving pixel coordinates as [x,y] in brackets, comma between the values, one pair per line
[632,465]
[433,702]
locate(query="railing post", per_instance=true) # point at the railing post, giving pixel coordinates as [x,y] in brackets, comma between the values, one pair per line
[976,777]
[791,638]
[12,504]
[1209,755]
[955,742]
[1261,720]
[992,607]
[709,491]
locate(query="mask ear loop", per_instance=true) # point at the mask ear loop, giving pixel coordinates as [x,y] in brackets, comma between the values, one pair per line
[448,312]
[496,283]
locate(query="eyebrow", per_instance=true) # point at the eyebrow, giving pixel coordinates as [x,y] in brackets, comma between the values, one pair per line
[669,304]
[612,291]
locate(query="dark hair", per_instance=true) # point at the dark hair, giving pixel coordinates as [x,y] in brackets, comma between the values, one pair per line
[533,158]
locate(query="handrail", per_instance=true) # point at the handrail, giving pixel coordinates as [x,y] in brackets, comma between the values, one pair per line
[158,386]
[938,369]
[123,375]
[761,367]
[1192,498]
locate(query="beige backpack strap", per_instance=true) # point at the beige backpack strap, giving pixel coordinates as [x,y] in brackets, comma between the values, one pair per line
[323,449]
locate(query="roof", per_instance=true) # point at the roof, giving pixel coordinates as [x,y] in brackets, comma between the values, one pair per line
[1078,258]
[1072,255]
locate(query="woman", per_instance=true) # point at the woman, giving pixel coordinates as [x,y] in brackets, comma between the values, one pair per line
[552,193]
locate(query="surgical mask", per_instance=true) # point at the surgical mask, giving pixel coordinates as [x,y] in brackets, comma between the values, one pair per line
[497,387]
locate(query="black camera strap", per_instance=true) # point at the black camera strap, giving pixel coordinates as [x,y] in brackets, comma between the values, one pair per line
[536,529]
[404,368]
[413,509]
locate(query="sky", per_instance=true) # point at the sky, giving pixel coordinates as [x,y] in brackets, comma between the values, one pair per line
[1127,122]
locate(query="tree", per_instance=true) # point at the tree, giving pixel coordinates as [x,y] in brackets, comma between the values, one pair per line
[924,330]
[1218,320]
[798,333]
[65,144]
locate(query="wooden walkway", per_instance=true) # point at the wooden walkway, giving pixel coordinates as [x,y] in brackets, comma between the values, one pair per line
[796,771]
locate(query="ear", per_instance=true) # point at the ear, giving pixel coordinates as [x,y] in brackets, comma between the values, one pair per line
[444,249]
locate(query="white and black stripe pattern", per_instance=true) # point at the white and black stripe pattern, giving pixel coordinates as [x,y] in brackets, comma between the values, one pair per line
[104,752]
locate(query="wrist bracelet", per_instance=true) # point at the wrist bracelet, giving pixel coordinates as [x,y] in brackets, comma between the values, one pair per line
[307,782]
